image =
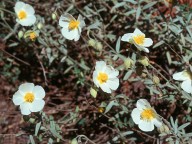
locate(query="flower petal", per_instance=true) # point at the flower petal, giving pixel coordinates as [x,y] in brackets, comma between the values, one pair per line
[157,123]
[127,37]
[105,88]
[95,74]
[100,66]
[187,86]
[113,83]
[136,115]
[138,32]
[81,20]
[142,104]
[18,6]
[26,87]
[64,21]
[146,126]
[39,92]
[25,108]
[69,34]
[18,98]
[180,76]
[147,42]
[37,105]
[29,9]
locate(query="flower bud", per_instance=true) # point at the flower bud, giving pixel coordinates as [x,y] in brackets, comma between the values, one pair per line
[93,92]
[92,42]
[156,80]
[99,46]
[144,61]
[20,34]
[164,129]
[54,15]
[74,141]
[128,63]
[39,26]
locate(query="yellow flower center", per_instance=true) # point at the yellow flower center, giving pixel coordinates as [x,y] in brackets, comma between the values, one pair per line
[32,36]
[188,74]
[73,24]
[29,97]
[139,39]
[102,77]
[148,114]
[22,15]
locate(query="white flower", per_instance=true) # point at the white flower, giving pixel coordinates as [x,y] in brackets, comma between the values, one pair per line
[71,28]
[25,14]
[138,39]
[30,98]
[105,77]
[145,116]
[186,77]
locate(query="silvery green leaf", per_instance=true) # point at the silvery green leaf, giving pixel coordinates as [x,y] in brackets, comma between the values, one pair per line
[127,75]
[31,139]
[118,45]
[150,4]
[138,12]
[110,105]
[37,127]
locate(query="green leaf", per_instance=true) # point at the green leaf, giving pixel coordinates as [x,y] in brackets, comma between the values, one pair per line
[118,44]
[110,105]
[127,75]
[138,12]
[149,5]
[31,139]
[158,44]
[183,126]
[37,127]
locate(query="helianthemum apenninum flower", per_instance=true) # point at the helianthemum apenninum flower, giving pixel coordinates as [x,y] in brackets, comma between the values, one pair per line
[71,28]
[105,77]
[145,116]
[138,39]
[30,98]
[186,77]
[25,14]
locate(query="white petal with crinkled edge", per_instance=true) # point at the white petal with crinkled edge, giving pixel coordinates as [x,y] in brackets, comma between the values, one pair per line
[157,123]
[147,42]
[113,83]
[81,20]
[39,92]
[29,21]
[100,66]
[18,98]
[179,76]
[26,87]
[18,6]
[95,74]
[127,37]
[187,86]
[138,32]
[29,9]
[37,105]
[136,115]
[146,125]
[64,21]
[69,34]
[105,88]
[25,108]
[142,104]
